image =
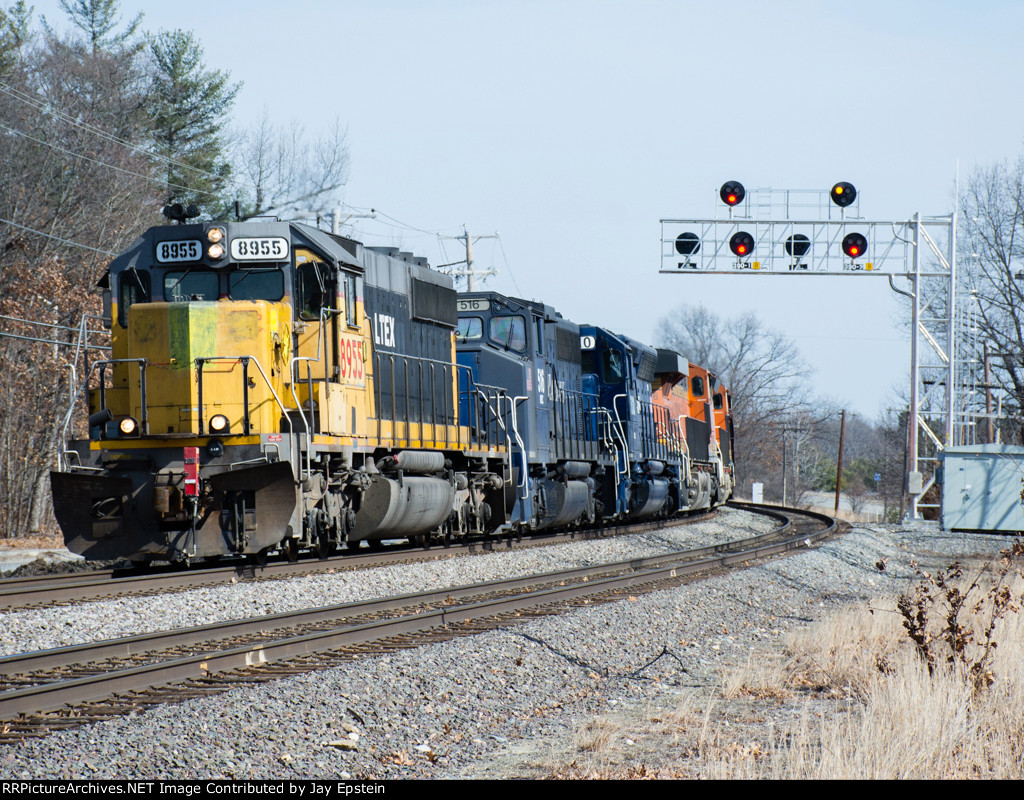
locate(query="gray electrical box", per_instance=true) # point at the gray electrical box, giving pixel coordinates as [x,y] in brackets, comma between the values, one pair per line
[982,486]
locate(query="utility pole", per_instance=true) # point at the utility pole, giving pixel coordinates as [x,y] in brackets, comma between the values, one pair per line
[337,221]
[469,272]
[839,464]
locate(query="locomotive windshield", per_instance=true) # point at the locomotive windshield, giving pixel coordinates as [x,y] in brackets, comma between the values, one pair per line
[509,332]
[470,328]
[611,366]
[193,284]
[256,284]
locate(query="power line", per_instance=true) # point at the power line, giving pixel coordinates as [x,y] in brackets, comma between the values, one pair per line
[46,108]
[56,238]
[54,341]
[397,222]
[73,154]
[507,265]
[49,324]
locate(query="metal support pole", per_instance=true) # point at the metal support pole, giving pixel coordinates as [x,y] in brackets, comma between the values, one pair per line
[915,369]
[951,336]
[839,463]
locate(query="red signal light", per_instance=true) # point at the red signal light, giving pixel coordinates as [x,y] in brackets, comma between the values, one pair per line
[732,193]
[741,244]
[854,244]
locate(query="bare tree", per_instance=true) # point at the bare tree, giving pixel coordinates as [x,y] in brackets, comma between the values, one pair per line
[765,374]
[72,186]
[992,259]
[283,171]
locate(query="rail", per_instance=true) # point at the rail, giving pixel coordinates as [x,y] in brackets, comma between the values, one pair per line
[65,454]
[574,438]
[198,653]
[411,390]
[244,360]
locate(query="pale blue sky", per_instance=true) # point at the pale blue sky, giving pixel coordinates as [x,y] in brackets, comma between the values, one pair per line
[573,127]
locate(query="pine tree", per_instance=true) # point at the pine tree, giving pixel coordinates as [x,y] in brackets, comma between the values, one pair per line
[99,19]
[14,33]
[189,106]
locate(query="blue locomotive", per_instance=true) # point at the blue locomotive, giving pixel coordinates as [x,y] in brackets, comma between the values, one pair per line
[598,424]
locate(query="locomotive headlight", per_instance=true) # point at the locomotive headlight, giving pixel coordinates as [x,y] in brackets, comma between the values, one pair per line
[128,427]
[215,235]
[219,423]
[215,251]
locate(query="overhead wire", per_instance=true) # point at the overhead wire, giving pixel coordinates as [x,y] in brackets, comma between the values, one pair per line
[508,266]
[56,238]
[37,340]
[84,157]
[48,324]
[46,108]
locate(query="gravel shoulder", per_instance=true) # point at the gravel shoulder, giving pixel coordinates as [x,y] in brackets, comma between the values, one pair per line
[607,684]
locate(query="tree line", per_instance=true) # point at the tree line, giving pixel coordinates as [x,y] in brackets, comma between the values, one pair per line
[787,438]
[102,123]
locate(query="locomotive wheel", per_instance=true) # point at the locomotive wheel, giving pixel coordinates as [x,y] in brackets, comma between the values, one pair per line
[259,559]
[324,547]
[291,550]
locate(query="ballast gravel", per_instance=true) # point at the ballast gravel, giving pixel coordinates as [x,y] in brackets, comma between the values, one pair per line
[465,708]
[41,629]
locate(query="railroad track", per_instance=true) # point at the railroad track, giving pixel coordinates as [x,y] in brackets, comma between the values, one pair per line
[52,590]
[53,689]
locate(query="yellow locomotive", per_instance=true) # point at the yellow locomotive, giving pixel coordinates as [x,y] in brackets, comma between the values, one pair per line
[273,386]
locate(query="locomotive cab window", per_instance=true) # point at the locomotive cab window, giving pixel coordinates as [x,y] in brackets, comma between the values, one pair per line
[191,284]
[718,401]
[351,307]
[470,328]
[133,287]
[697,386]
[314,289]
[256,284]
[509,332]
[611,366]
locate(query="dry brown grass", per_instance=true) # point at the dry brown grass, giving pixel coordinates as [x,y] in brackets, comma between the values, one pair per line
[856,696]
[54,542]
[596,735]
[888,715]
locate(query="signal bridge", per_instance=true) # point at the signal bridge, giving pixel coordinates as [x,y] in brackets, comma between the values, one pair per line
[814,232]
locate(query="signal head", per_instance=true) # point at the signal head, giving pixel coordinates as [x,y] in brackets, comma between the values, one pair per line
[854,244]
[741,244]
[797,245]
[843,194]
[687,244]
[732,193]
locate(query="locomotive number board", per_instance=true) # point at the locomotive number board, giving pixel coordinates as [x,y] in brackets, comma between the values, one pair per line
[259,248]
[182,250]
